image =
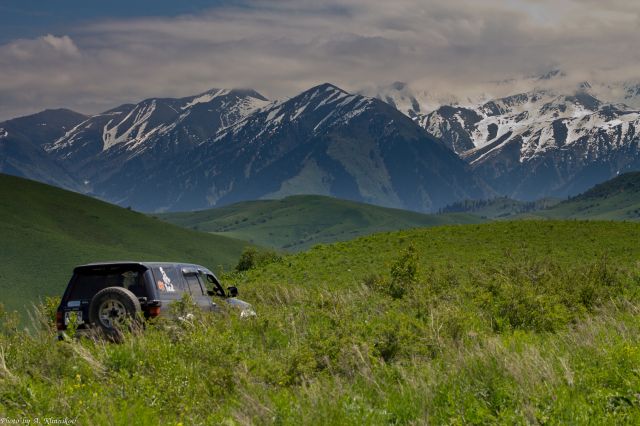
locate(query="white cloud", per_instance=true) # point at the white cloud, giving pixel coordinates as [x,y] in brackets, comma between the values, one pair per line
[46,48]
[63,44]
[282,47]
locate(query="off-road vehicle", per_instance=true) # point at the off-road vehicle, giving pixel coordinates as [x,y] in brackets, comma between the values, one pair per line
[105,296]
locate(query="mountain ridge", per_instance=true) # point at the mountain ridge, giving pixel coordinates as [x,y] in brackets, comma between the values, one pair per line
[546,142]
[163,153]
[322,141]
[617,199]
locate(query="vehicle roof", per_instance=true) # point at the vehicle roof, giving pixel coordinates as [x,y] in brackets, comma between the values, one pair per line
[145,264]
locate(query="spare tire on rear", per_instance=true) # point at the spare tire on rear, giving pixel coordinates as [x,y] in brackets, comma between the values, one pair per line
[114,308]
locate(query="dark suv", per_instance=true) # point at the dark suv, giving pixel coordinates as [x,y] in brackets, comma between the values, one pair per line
[104,295]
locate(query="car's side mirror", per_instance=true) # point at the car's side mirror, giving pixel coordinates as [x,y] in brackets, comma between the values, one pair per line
[233,291]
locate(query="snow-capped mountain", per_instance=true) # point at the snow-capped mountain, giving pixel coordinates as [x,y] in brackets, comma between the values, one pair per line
[323,141]
[152,128]
[541,143]
[224,146]
[558,137]
[417,102]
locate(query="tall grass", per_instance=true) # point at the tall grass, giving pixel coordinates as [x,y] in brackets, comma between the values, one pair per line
[521,340]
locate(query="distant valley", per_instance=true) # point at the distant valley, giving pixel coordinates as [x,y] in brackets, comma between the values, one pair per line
[46,230]
[616,199]
[298,222]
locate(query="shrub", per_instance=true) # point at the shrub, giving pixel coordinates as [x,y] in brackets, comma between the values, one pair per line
[404,273]
[252,258]
[44,314]
[403,276]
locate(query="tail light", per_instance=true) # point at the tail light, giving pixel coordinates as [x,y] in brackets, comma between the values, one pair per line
[60,321]
[154,311]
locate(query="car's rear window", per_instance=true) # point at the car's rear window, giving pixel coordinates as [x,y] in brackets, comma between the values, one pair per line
[88,282]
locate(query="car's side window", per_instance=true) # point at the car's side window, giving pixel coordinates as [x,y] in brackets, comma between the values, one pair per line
[210,284]
[169,281]
[194,284]
[134,282]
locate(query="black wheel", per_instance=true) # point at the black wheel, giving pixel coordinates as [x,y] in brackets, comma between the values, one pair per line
[112,308]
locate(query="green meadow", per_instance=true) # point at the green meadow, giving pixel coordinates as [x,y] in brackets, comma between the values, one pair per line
[527,322]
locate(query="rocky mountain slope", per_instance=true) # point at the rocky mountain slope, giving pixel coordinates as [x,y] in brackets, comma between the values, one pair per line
[395,147]
[541,143]
[556,139]
[111,149]
[324,141]
[225,146]
[21,141]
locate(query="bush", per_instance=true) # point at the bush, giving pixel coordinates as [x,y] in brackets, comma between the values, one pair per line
[252,258]
[403,276]
[404,273]
[44,314]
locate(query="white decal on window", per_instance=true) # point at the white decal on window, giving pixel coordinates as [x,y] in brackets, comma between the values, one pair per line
[167,281]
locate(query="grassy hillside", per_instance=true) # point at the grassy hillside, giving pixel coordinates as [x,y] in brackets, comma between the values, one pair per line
[298,222]
[616,199]
[529,322]
[500,207]
[46,231]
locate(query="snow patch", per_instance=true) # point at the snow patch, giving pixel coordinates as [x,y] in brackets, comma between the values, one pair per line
[112,136]
[335,96]
[299,111]
[273,114]
[206,97]
[321,122]
[67,139]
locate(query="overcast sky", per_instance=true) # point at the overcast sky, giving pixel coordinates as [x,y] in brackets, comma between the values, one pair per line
[90,57]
